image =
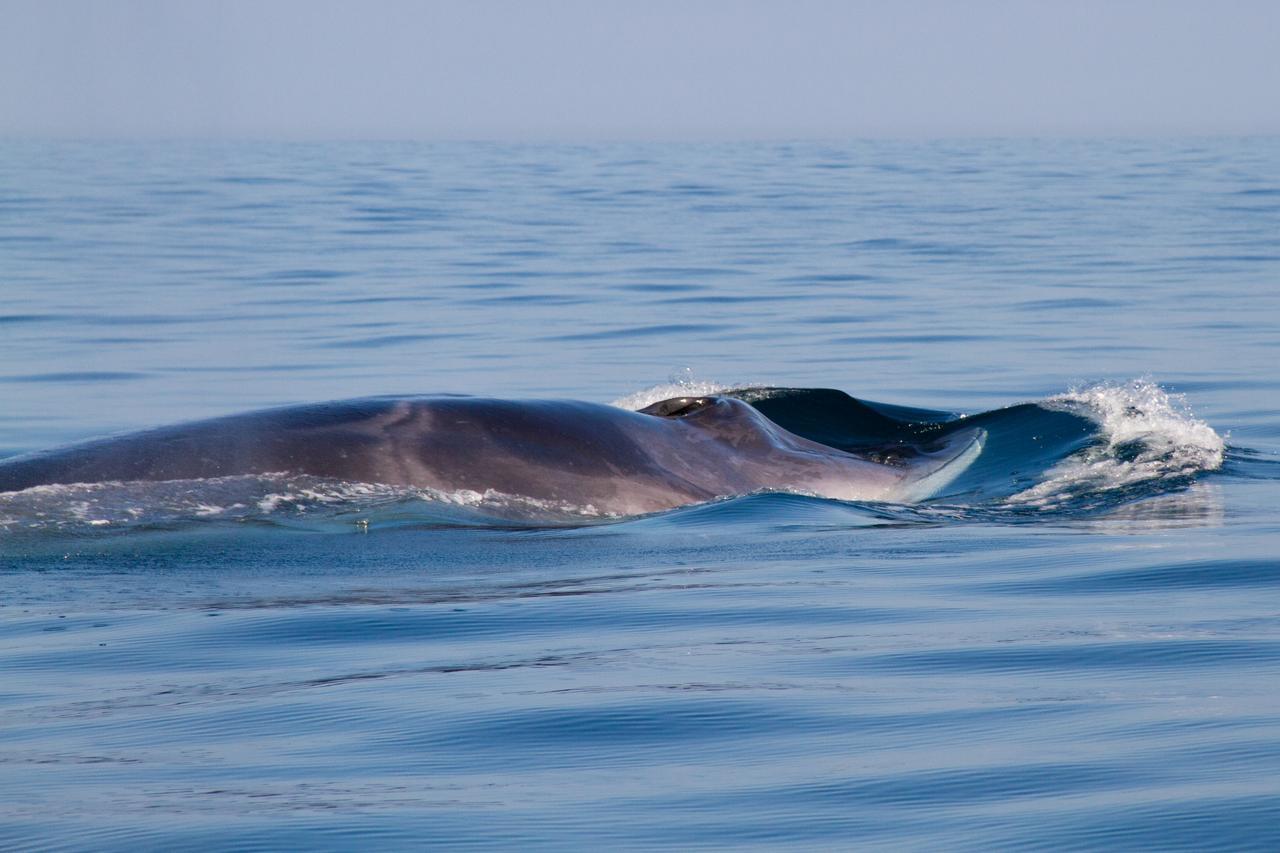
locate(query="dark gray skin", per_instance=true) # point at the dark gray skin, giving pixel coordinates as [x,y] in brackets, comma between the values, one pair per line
[615,461]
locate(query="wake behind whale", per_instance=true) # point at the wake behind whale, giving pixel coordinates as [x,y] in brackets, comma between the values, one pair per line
[463,460]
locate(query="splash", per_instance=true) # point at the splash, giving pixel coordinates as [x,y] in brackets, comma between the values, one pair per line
[1147,435]
[681,383]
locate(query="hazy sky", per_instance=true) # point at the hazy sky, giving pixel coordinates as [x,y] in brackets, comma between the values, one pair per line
[646,69]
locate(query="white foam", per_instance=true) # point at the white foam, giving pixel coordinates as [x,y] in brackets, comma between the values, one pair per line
[78,506]
[1147,434]
[679,384]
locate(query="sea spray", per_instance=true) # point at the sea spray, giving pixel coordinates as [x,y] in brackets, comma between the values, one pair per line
[1147,435]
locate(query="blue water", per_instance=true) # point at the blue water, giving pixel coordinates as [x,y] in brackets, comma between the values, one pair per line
[1078,648]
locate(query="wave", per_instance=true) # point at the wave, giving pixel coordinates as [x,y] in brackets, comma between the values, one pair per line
[1148,436]
[1125,450]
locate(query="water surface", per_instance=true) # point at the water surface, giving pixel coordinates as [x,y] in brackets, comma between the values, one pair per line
[1086,660]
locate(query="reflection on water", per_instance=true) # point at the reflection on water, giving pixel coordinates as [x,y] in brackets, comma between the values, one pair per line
[1199,505]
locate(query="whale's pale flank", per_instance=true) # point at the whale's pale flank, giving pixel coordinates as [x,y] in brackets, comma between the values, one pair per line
[672,453]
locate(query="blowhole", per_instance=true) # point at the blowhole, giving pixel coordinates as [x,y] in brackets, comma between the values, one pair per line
[677,407]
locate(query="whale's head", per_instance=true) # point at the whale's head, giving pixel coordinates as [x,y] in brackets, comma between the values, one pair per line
[779,459]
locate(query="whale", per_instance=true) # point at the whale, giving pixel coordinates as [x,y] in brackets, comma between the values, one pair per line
[671,453]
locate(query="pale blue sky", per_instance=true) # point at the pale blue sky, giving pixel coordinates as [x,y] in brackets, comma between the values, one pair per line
[648,69]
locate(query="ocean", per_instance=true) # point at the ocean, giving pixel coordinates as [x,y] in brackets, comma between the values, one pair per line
[1076,647]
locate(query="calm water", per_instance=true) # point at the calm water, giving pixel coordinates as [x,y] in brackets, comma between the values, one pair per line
[1089,659]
